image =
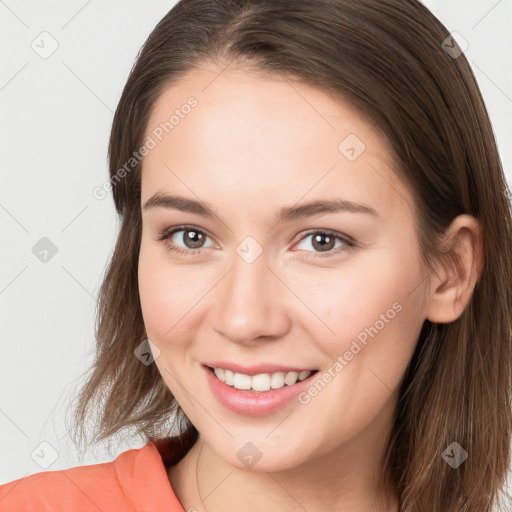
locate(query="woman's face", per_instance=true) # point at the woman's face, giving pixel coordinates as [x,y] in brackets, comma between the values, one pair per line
[267,283]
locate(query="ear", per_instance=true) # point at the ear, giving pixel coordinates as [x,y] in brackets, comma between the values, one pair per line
[455,277]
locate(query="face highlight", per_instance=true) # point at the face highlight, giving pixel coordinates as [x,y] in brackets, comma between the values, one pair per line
[276,233]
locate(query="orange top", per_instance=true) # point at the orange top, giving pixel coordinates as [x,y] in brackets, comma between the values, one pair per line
[135,481]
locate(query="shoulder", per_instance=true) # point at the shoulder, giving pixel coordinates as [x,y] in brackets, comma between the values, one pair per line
[78,488]
[136,480]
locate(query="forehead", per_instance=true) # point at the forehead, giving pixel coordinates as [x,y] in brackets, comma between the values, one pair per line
[252,133]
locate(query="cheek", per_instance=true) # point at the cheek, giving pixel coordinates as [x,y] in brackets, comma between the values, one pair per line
[371,312]
[376,314]
[158,285]
[170,295]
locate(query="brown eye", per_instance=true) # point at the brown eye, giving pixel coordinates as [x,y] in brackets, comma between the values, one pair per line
[193,239]
[324,243]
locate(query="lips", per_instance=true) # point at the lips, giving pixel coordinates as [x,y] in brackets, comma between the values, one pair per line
[248,402]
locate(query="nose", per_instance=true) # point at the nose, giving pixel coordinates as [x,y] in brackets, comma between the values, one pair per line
[253,302]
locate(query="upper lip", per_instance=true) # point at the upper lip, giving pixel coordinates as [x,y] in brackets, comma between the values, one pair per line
[255,369]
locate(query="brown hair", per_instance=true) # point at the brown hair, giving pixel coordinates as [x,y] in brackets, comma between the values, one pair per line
[386,58]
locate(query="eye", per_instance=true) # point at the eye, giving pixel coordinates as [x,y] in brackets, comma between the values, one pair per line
[323,241]
[193,238]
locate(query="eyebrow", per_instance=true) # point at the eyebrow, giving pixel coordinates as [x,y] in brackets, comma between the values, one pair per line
[286,214]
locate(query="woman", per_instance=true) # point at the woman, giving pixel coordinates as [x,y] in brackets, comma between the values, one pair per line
[309,303]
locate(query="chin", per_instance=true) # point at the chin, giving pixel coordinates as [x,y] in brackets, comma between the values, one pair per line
[264,455]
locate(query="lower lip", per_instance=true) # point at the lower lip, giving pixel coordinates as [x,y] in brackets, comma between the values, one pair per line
[250,403]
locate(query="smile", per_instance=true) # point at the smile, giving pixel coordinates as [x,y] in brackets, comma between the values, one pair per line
[263,389]
[261,382]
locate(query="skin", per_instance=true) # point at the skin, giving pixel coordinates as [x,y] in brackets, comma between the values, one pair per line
[254,144]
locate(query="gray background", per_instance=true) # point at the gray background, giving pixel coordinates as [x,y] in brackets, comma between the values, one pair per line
[56,112]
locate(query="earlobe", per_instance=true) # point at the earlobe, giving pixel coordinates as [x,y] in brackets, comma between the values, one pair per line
[453,282]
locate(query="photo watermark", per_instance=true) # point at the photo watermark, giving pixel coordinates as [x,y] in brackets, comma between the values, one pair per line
[158,133]
[321,380]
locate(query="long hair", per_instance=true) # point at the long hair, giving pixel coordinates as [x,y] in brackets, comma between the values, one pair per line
[391,60]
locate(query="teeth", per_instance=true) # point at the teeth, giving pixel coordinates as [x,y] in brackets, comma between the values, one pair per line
[291,378]
[242,381]
[261,382]
[277,380]
[304,374]
[229,377]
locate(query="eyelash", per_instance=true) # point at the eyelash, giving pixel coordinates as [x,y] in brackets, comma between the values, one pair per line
[169,232]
